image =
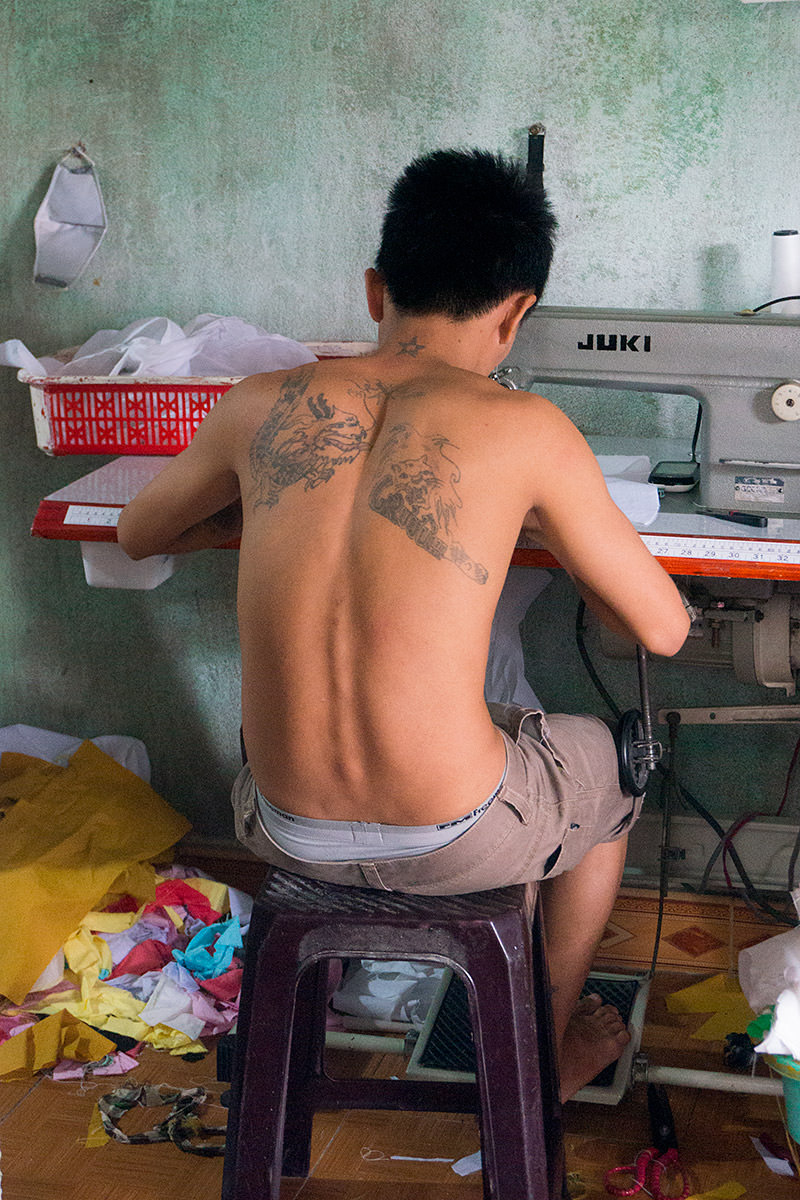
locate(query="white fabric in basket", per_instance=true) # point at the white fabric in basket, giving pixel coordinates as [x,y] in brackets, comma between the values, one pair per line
[209,345]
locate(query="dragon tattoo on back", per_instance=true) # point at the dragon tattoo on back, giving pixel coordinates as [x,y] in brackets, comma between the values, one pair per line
[307,437]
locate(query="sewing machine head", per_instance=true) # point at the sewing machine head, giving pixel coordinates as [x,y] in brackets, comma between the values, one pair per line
[744,370]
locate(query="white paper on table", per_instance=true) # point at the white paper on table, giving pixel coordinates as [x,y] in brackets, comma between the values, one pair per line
[626,479]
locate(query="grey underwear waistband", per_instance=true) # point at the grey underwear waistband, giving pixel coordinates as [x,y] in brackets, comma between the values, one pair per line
[343,841]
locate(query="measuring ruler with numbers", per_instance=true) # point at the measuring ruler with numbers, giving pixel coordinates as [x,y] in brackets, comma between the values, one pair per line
[92,515]
[751,550]
[729,557]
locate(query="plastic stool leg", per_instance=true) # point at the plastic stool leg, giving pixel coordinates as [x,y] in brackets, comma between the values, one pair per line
[253,1152]
[306,1065]
[515,1160]
[548,1061]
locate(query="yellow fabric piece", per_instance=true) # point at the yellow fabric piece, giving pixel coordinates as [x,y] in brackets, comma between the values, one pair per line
[96,1134]
[726,1191]
[174,916]
[137,880]
[215,893]
[87,955]
[72,832]
[116,1010]
[96,1004]
[719,995]
[164,1038]
[103,922]
[733,1019]
[47,1042]
[22,776]
[709,995]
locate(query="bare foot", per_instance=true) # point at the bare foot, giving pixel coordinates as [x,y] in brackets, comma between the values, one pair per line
[595,1036]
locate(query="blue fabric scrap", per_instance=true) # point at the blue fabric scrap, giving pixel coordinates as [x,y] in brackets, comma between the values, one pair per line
[210,952]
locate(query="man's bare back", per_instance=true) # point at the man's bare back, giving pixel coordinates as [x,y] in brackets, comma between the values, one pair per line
[381,501]
[380,510]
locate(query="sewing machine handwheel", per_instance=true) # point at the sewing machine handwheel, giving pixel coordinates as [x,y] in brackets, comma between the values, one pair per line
[633,770]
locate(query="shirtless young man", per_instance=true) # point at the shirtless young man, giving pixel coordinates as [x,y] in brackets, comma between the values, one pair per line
[380,500]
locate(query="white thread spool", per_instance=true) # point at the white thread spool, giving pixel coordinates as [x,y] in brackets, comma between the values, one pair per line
[785,279]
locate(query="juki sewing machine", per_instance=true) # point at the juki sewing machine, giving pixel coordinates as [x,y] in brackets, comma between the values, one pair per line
[744,369]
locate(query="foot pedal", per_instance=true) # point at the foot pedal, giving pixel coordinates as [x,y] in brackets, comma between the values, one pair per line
[445,1049]
[628,994]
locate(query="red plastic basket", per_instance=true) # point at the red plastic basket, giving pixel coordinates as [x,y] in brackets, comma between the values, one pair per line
[129,415]
[112,416]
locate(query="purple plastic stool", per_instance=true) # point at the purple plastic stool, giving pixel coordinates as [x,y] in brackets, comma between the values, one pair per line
[492,941]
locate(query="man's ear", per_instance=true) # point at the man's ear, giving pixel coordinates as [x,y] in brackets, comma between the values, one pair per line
[375,288]
[513,312]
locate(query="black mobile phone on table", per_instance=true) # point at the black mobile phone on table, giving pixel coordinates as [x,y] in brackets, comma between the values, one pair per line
[675,476]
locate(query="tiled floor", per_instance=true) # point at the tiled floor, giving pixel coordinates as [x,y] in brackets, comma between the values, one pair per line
[699,933]
[372,1156]
[355,1154]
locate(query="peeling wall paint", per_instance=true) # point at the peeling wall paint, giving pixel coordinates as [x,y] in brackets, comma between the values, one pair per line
[244,152]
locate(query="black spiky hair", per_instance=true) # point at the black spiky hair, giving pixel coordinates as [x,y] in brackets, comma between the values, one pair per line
[463,231]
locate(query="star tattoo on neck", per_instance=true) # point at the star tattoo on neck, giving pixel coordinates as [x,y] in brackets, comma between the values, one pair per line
[411,348]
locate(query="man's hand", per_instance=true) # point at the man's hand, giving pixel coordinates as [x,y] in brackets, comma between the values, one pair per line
[220,529]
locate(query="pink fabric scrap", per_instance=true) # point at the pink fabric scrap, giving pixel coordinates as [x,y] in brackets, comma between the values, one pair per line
[12,1025]
[68,1068]
[215,1021]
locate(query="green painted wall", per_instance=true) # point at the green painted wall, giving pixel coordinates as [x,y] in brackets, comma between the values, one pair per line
[244,151]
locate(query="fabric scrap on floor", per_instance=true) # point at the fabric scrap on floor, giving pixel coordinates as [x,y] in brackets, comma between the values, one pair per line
[104,938]
[722,997]
[123,975]
[113,1064]
[182,1125]
[68,835]
[46,1043]
[469,1164]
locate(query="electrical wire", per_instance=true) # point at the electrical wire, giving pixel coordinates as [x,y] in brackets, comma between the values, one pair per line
[768,304]
[785,916]
[668,783]
[696,433]
[740,823]
[580,630]
[681,792]
[715,853]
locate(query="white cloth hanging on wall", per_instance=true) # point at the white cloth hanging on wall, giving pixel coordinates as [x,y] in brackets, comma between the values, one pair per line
[71,221]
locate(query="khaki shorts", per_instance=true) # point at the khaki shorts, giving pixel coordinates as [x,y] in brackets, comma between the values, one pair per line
[560,797]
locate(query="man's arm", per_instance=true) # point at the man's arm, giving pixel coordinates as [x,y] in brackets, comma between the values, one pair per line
[194,503]
[578,522]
